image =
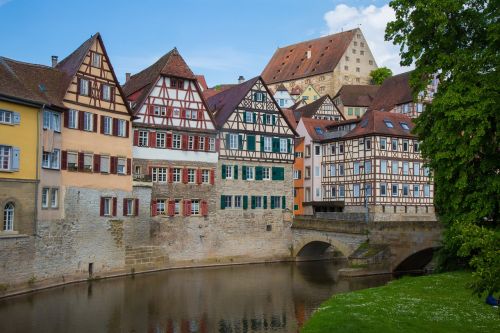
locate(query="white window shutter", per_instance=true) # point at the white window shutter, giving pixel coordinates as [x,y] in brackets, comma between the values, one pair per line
[16,118]
[15,159]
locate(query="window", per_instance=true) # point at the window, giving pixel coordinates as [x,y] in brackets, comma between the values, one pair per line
[333,170]
[176,141]
[346,68]
[388,123]
[368,167]
[122,128]
[416,191]
[190,142]
[284,145]
[416,169]
[188,114]
[211,144]
[104,165]
[308,172]
[73,118]
[6,117]
[159,175]
[52,120]
[258,202]
[317,150]
[355,43]
[395,167]
[383,143]
[305,98]
[45,197]
[346,58]
[353,51]
[201,143]
[296,174]
[233,141]
[341,191]
[107,206]
[161,139]
[88,124]
[87,162]
[282,102]
[205,176]
[72,161]
[107,125]
[383,166]
[50,160]
[161,207]
[248,117]
[415,147]
[250,172]
[358,60]
[341,169]
[194,114]
[406,190]
[405,168]
[176,175]
[368,144]
[368,190]
[383,189]
[195,207]
[405,126]
[177,206]
[129,207]
[122,166]
[143,138]
[405,145]
[316,171]
[84,87]
[275,202]
[362,52]
[394,144]
[355,190]
[269,119]
[96,60]
[237,201]
[266,173]
[394,190]
[259,97]
[8,217]
[357,69]
[228,201]
[356,168]
[341,148]
[308,151]
[106,92]
[159,110]
[54,198]
[362,44]
[176,113]
[333,191]
[268,144]
[191,176]
[176,83]
[426,171]
[332,149]
[350,111]
[229,171]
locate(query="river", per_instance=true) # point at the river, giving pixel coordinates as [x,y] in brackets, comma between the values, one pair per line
[274,297]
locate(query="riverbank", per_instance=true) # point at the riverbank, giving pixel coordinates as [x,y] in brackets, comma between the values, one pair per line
[434,303]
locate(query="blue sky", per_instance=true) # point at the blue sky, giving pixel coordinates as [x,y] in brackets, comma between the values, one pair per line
[221,39]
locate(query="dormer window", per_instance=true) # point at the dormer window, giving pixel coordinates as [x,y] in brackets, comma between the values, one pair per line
[388,123]
[405,126]
[96,60]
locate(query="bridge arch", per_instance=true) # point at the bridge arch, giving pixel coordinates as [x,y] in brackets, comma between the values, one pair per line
[318,244]
[415,260]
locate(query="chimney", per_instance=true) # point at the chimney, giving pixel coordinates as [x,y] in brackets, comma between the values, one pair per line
[54,61]
[241,79]
[308,54]
[127,77]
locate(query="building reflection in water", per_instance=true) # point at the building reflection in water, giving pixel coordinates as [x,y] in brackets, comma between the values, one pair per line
[237,299]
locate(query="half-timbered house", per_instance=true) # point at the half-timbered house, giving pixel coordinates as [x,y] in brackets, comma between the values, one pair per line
[323,108]
[174,138]
[376,164]
[353,100]
[283,97]
[255,158]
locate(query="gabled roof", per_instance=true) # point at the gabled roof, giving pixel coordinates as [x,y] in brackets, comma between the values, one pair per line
[289,114]
[374,122]
[202,82]
[225,102]
[309,110]
[298,104]
[357,95]
[394,91]
[316,128]
[296,91]
[281,87]
[291,62]
[217,89]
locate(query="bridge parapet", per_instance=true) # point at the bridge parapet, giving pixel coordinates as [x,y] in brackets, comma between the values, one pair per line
[323,224]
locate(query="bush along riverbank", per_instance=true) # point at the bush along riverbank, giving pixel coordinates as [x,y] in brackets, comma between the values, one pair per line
[433,303]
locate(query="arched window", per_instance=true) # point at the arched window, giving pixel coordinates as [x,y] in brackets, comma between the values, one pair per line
[8,217]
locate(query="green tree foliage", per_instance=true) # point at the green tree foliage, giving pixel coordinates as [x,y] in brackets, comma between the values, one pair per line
[380,74]
[460,40]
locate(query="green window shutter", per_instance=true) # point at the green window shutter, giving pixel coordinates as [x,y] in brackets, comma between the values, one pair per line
[251,142]
[244,172]
[282,173]
[245,202]
[264,198]
[264,119]
[283,202]
[272,202]
[273,173]
[240,142]
[295,207]
[276,145]
[235,176]
[254,118]
[261,143]
[274,119]
[222,202]
[278,173]
[226,145]
[253,202]
[258,173]
[223,171]
[290,143]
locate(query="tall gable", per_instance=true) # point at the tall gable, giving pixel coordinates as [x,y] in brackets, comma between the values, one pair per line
[323,108]
[307,58]
[357,95]
[394,91]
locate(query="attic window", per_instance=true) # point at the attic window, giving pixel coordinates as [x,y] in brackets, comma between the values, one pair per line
[322,54]
[318,130]
[388,123]
[287,56]
[364,123]
[291,50]
[405,126]
[282,63]
[317,62]
[326,47]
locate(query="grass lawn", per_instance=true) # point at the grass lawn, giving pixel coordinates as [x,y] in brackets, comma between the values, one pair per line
[429,304]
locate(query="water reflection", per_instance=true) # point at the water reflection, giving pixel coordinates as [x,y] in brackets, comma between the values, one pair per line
[237,299]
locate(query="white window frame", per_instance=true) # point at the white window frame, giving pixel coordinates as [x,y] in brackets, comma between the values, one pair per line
[201,143]
[228,201]
[205,176]
[96,60]
[6,117]
[122,128]
[427,190]
[88,167]
[383,189]
[84,87]
[190,142]
[121,166]
[108,125]
[233,141]
[268,144]
[143,140]
[238,202]
[229,171]
[258,202]
[52,120]
[248,117]
[159,174]
[51,160]
[105,164]
[394,187]
[88,121]
[195,207]
[73,118]
[283,145]
[355,190]
[211,144]
[106,92]
[54,198]
[176,141]
[45,197]
[161,139]
[8,216]
[383,166]
[107,205]
[416,168]
[191,173]
[416,191]
[250,173]
[176,175]
[130,207]
[266,173]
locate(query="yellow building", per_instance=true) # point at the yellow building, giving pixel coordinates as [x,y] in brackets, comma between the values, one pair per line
[309,94]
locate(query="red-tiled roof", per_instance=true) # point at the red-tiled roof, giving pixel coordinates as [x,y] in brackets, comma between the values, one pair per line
[281,87]
[394,91]
[217,89]
[309,110]
[296,91]
[292,62]
[357,95]
[374,122]
[202,82]
[316,126]
[289,114]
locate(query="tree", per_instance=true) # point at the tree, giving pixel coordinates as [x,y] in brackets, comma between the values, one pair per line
[459,39]
[380,74]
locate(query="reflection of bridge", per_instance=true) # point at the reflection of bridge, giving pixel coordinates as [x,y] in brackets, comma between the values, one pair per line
[393,246]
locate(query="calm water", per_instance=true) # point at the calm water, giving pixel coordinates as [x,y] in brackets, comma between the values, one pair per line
[237,299]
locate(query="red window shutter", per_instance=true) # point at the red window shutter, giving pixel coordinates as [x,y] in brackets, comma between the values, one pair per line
[112,94]
[127,128]
[153,208]
[217,144]
[113,168]
[169,140]
[183,114]
[97,163]
[185,176]
[64,159]
[125,203]
[136,137]
[151,109]
[102,125]
[170,175]
[94,119]
[207,143]
[187,208]
[196,143]
[204,208]
[129,166]
[80,161]
[212,177]
[101,209]
[101,91]
[152,139]
[201,115]
[80,120]
[184,142]
[198,176]
[136,207]
[169,112]
[171,208]
[66,118]
[114,206]
[115,127]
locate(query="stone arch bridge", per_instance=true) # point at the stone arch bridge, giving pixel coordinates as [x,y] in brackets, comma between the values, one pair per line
[388,246]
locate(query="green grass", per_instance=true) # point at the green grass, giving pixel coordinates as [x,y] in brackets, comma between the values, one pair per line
[429,304]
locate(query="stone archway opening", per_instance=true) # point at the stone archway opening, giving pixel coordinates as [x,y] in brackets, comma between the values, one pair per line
[317,250]
[416,262]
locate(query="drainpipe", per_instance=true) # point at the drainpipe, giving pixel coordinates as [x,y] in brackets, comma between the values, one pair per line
[37,184]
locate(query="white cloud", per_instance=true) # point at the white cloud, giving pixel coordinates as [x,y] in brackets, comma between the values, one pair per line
[372,21]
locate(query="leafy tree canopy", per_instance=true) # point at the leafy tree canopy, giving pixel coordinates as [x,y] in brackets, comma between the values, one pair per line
[380,74]
[459,40]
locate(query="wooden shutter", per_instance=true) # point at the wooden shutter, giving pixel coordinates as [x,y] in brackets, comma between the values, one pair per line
[80,120]
[112,94]
[125,204]
[251,142]
[129,166]
[283,202]
[187,208]
[115,126]
[171,208]
[235,172]
[169,140]
[94,120]
[153,208]
[183,114]
[66,118]
[240,142]
[113,166]
[97,163]
[222,202]
[81,156]
[136,207]
[64,159]
[101,208]
[217,144]
[245,202]
[185,176]
[102,125]
[196,143]
[114,206]
[244,172]
[15,159]
[136,137]
[184,142]
[152,139]
[254,118]
[204,208]
[253,202]
[170,175]
[207,143]
[258,173]
[151,109]
[272,202]
[199,176]
[223,172]
[264,199]
[212,177]
[78,84]
[127,128]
